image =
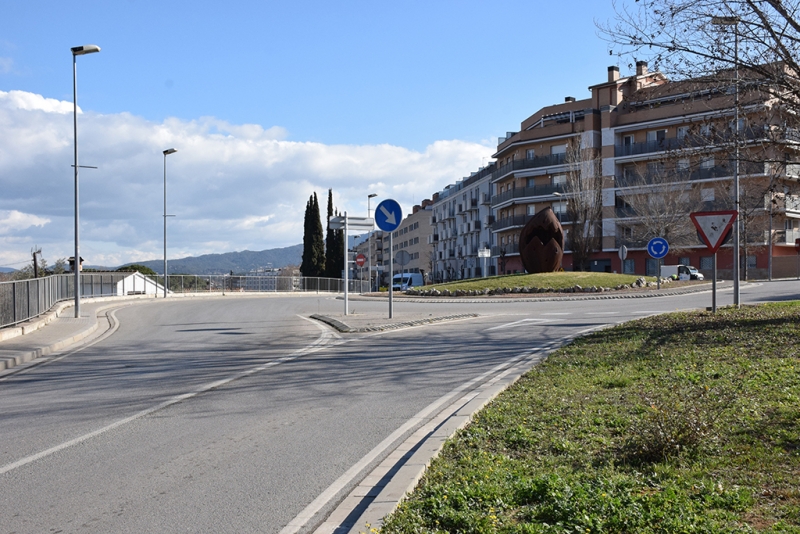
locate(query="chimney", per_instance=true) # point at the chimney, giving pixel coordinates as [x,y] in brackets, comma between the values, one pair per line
[641,68]
[569,99]
[613,74]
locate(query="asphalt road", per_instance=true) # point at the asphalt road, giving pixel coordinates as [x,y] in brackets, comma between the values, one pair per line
[232,415]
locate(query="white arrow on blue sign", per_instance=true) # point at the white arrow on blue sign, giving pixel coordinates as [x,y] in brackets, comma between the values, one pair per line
[388,215]
[658,247]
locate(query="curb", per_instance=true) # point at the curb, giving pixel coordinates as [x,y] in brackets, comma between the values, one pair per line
[554,296]
[10,362]
[346,329]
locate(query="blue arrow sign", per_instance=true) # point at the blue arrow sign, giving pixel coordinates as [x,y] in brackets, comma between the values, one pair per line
[658,247]
[388,215]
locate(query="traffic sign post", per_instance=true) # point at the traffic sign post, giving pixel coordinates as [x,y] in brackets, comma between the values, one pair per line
[658,248]
[797,249]
[346,223]
[388,215]
[484,253]
[713,227]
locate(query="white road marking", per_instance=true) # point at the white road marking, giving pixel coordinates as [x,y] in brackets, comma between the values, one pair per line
[308,513]
[557,313]
[319,344]
[515,323]
[602,313]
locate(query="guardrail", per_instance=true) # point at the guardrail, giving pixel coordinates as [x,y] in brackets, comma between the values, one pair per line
[22,300]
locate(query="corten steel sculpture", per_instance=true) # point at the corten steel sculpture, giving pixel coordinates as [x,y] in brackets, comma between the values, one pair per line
[541,243]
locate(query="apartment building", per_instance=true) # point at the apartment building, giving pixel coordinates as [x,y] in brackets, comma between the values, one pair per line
[412,236]
[460,221]
[662,149]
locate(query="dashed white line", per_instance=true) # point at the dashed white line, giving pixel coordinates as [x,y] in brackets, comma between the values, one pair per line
[319,344]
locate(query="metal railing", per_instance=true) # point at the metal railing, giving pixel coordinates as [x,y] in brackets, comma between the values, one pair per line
[22,300]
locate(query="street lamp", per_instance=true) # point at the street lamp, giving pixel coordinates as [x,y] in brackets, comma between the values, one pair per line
[369,242]
[77,51]
[167,152]
[734,21]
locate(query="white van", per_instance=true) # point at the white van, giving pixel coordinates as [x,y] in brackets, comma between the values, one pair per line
[681,272]
[401,281]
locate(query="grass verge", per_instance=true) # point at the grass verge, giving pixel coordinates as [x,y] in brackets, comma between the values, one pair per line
[688,422]
[559,280]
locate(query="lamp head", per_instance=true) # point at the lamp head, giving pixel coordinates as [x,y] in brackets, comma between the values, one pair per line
[725,21]
[372,195]
[169,151]
[85,49]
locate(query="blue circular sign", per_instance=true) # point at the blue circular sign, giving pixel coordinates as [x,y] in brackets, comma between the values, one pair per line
[658,247]
[388,215]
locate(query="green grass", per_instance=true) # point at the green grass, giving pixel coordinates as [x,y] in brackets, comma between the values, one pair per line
[560,280]
[688,422]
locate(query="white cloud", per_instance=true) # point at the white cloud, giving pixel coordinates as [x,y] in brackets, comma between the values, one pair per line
[6,64]
[31,101]
[230,187]
[11,221]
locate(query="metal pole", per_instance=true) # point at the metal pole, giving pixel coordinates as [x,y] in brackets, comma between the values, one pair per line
[345,263]
[714,285]
[736,170]
[369,247]
[165,224]
[391,277]
[769,267]
[77,263]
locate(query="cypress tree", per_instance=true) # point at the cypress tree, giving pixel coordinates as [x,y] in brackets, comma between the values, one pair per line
[313,248]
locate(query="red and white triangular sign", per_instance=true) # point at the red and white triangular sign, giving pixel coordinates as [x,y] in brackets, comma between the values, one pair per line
[713,226]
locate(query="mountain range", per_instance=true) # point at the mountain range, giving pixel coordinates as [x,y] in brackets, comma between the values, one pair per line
[238,262]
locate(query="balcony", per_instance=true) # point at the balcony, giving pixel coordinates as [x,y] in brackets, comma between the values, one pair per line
[527,192]
[532,163]
[515,221]
[690,141]
[510,249]
[787,237]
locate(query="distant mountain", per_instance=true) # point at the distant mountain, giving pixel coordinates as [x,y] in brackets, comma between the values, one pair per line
[238,262]
[10,270]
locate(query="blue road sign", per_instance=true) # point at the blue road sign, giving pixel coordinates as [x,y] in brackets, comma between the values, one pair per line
[658,247]
[388,215]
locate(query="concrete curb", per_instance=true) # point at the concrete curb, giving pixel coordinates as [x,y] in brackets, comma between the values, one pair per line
[9,362]
[346,329]
[545,297]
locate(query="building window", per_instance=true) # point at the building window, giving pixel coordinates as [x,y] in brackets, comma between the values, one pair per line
[531,209]
[706,263]
[530,153]
[558,149]
[558,179]
[627,140]
[629,267]
[683,132]
[656,135]
[684,261]
[651,267]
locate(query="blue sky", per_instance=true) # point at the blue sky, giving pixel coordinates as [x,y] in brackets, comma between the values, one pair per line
[266,102]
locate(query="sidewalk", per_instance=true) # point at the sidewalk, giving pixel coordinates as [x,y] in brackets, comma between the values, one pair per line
[51,332]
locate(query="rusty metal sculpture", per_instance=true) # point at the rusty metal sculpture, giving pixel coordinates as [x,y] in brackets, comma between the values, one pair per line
[541,243]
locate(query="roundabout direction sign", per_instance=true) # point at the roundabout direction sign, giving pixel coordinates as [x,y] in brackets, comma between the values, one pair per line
[657,247]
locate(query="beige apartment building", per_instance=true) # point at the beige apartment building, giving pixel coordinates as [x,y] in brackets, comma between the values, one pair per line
[662,149]
[412,236]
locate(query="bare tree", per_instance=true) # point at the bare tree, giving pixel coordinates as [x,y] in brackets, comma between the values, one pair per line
[584,202]
[658,199]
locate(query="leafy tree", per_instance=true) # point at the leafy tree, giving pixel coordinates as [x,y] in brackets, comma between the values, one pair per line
[143,269]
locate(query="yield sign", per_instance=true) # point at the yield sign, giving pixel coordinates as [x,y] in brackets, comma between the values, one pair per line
[713,226]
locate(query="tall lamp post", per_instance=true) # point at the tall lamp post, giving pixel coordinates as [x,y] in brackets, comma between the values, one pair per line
[77,51]
[167,152]
[369,242]
[734,21]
